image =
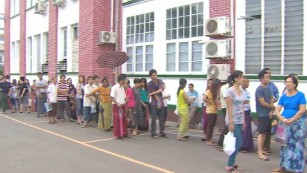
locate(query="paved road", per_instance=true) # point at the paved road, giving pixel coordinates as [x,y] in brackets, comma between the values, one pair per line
[31,145]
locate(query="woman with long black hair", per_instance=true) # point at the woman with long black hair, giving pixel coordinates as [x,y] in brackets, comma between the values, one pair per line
[183,110]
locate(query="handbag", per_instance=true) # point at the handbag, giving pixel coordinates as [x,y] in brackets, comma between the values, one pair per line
[281,133]
[229,143]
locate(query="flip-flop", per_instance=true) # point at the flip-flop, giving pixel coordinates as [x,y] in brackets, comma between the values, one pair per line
[277,170]
[232,170]
[237,167]
[264,158]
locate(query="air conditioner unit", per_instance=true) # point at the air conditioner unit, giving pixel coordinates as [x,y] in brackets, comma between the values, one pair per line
[218,49]
[39,7]
[218,71]
[62,66]
[217,26]
[44,68]
[58,3]
[107,37]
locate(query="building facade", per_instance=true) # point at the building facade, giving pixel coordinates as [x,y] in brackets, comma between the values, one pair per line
[59,37]
[175,39]
[1,36]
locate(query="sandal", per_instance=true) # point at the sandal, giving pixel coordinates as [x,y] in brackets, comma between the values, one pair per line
[264,158]
[232,170]
[181,139]
[237,167]
[277,170]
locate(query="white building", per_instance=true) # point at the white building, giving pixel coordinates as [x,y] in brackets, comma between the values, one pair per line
[168,38]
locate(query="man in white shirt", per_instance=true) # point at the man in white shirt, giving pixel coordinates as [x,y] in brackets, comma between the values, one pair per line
[52,100]
[41,86]
[223,92]
[89,101]
[118,96]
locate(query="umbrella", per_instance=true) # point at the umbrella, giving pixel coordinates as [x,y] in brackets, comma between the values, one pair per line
[112,59]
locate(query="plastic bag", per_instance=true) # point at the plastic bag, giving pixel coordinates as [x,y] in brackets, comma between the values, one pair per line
[281,133]
[229,143]
[93,108]
[47,107]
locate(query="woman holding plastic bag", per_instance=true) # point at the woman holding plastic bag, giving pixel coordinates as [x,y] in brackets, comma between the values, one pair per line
[291,128]
[235,117]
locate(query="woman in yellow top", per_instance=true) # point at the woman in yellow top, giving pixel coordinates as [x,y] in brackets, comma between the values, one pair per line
[210,98]
[183,110]
[104,121]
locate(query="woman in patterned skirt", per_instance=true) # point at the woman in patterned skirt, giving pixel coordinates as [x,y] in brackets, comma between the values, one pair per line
[294,104]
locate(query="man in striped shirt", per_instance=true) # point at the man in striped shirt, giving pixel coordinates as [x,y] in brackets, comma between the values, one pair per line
[62,103]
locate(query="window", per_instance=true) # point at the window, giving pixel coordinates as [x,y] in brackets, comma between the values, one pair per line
[30,3]
[14,63]
[1,37]
[185,21]
[282,48]
[171,57]
[130,60]
[75,32]
[149,58]
[38,52]
[15,5]
[196,63]
[65,43]
[140,28]
[1,59]
[29,55]
[45,54]
[189,58]
[140,58]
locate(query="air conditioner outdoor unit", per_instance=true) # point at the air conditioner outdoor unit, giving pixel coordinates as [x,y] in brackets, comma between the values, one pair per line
[218,71]
[62,66]
[107,37]
[58,3]
[218,49]
[44,68]
[39,7]
[217,26]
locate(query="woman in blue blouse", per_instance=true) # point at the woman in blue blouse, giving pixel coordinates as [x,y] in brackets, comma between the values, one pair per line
[294,104]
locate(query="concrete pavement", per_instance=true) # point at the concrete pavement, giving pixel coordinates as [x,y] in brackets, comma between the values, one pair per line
[31,145]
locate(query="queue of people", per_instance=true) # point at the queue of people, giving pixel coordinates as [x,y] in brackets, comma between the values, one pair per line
[127,109]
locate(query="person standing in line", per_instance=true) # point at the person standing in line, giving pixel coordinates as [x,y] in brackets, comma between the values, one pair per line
[62,103]
[41,86]
[89,101]
[143,123]
[155,87]
[275,94]
[98,107]
[210,99]
[223,92]
[235,116]
[247,135]
[71,98]
[79,98]
[104,121]
[52,100]
[166,96]
[292,118]
[5,90]
[193,106]
[33,95]
[118,96]
[28,105]
[23,94]
[13,96]
[183,110]
[130,112]
[138,110]
[264,108]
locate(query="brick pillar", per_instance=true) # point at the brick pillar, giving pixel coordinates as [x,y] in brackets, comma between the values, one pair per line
[223,8]
[22,47]
[95,17]
[52,40]
[7,39]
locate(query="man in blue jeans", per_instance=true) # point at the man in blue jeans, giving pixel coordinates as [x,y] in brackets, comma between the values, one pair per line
[155,87]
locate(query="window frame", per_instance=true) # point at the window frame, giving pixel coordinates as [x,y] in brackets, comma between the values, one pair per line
[133,62]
